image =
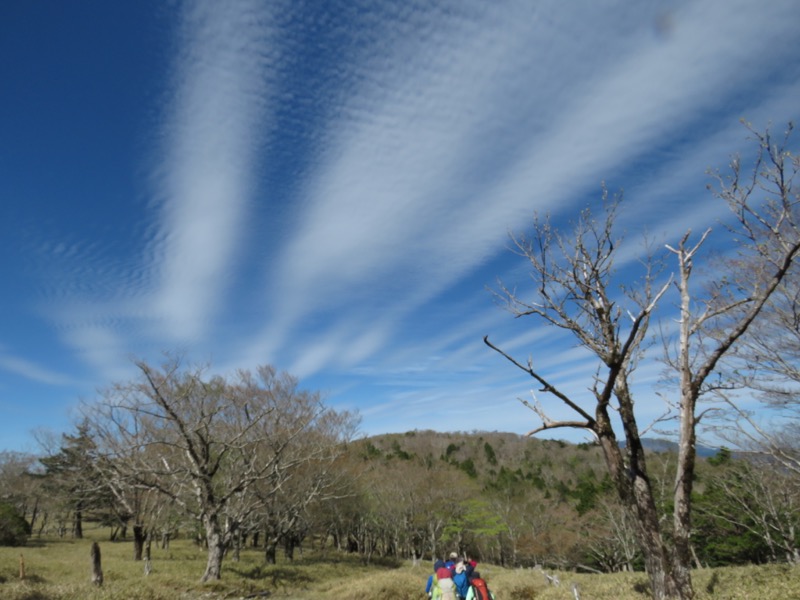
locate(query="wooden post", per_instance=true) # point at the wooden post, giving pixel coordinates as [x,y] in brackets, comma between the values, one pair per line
[148,565]
[97,570]
[21,567]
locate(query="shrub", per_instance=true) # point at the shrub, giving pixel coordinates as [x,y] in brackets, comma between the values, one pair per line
[14,529]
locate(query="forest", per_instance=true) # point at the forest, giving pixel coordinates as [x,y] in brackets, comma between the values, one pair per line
[502,498]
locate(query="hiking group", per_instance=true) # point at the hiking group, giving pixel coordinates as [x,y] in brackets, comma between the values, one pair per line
[456,579]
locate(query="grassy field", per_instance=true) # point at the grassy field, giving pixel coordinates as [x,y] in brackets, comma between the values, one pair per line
[60,570]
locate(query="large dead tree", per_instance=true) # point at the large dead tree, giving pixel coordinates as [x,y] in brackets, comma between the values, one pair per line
[576,291]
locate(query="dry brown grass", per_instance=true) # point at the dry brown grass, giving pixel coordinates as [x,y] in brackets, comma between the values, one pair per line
[60,570]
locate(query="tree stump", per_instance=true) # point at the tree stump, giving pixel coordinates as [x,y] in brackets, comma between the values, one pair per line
[97,569]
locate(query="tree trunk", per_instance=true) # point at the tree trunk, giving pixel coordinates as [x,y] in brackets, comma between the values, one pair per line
[237,545]
[77,528]
[138,541]
[216,548]
[682,512]
[148,565]
[34,513]
[270,551]
[668,579]
[42,525]
[290,542]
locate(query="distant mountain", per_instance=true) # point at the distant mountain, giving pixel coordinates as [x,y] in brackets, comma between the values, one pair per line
[662,445]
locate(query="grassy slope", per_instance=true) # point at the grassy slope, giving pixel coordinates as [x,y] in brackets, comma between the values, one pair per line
[59,570]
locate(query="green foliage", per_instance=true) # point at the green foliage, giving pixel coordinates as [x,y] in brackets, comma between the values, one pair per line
[72,478]
[719,538]
[537,480]
[508,481]
[475,517]
[468,466]
[371,451]
[722,457]
[491,458]
[563,491]
[586,493]
[14,529]
[451,450]
[398,451]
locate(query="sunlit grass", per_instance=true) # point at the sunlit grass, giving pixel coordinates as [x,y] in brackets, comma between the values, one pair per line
[60,570]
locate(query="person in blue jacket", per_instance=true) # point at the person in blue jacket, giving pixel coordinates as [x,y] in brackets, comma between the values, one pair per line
[461,579]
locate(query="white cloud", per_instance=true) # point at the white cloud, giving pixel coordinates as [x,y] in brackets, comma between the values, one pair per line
[102,349]
[396,210]
[439,127]
[212,134]
[33,371]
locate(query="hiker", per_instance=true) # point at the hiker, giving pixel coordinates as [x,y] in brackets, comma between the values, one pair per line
[478,590]
[450,563]
[444,588]
[469,566]
[461,579]
[440,584]
[437,564]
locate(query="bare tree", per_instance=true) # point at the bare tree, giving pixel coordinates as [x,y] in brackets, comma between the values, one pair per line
[133,505]
[575,285]
[309,472]
[203,442]
[613,544]
[766,361]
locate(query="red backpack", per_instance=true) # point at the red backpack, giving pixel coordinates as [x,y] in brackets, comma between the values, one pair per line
[480,591]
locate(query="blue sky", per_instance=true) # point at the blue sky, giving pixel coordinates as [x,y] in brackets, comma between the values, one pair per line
[329,186]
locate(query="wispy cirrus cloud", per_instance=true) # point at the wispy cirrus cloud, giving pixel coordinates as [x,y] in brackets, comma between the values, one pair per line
[333,183]
[459,129]
[32,371]
[206,173]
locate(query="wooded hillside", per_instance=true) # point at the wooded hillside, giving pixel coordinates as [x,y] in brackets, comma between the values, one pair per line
[498,497]
[517,501]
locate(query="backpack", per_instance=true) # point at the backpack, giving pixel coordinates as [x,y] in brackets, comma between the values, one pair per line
[480,591]
[446,589]
[442,589]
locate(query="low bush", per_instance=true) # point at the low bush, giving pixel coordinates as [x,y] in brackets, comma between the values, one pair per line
[14,529]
